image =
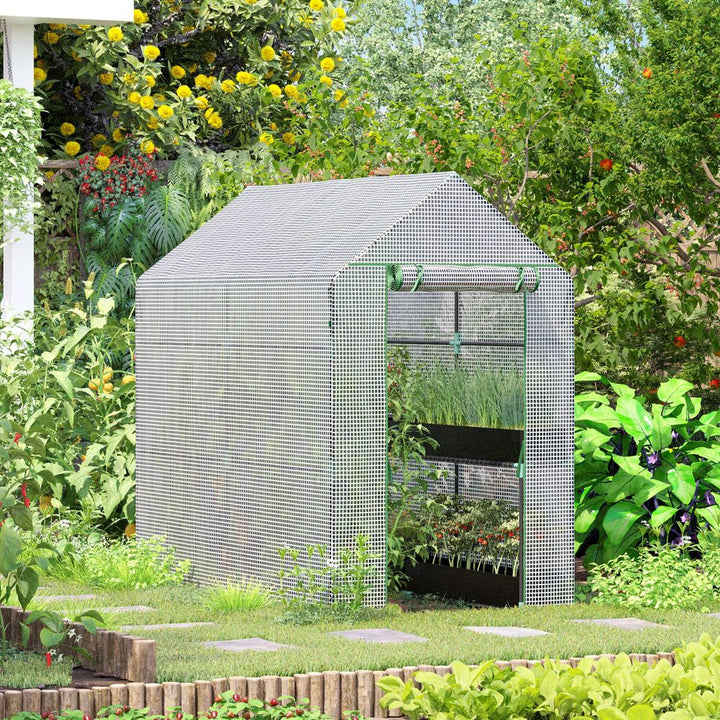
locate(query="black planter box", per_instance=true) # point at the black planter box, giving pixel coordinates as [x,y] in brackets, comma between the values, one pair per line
[485,588]
[461,442]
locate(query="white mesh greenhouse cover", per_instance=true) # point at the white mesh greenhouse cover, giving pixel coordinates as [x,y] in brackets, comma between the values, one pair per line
[261,355]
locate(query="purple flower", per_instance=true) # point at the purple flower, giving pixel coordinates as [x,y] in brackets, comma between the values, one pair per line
[710,498]
[675,435]
[653,460]
[685,518]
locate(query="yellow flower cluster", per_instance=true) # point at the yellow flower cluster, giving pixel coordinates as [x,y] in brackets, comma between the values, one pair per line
[177,72]
[289,138]
[139,17]
[246,78]
[316,5]
[213,118]
[292,92]
[102,162]
[327,64]
[98,139]
[339,12]
[267,53]
[134,97]
[115,34]
[151,52]
[203,81]
[337,24]
[274,90]
[165,112]
[72,148]
[266,138]
[227,86]
[325,80]
[39,75]
[209,57]
[146,102]
[201,102]
[106,78]
[147,146]
[117,135]
[184,92]
[106,150]
[67,129]
[51,38]
[149,81]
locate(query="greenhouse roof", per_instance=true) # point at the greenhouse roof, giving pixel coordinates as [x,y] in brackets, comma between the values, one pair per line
[315,229]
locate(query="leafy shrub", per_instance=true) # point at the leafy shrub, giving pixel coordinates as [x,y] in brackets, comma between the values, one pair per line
[129,563]
[643,468]
[67,412]
[603,689]
[234,597]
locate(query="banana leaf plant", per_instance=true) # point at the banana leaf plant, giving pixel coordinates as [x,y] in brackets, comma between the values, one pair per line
[643,467]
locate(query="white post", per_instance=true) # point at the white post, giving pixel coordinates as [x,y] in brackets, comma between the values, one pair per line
[18,253]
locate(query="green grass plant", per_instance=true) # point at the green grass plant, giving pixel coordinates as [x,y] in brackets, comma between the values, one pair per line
[237,597]
[182,657]
[26,669]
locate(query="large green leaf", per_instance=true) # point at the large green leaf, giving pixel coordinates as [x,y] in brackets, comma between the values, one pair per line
[682,482]
[620,519]
[710,515]
[586,514]
[167,217]
[673,390]
[636,420]
[661,515]
[10,549]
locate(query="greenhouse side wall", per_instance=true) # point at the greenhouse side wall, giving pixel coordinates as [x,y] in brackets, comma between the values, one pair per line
[549,441]
[234,420]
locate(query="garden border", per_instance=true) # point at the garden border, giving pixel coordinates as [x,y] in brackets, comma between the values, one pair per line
[109,652]
[334,692]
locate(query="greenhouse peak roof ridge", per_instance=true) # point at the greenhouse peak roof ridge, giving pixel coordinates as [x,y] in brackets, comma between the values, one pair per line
[314,230]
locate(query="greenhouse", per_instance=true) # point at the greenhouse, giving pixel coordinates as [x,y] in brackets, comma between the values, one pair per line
[266,342]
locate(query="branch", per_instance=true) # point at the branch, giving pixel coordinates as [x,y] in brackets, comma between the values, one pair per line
[586,301]
[715,182]
[526,174]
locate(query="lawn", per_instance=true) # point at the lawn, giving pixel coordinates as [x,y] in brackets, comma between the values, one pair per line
[182,657]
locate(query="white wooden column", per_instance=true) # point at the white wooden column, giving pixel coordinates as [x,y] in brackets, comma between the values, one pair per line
[18,253]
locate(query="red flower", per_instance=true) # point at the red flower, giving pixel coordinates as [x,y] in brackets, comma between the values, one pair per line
[647,73]
[48,659]
[606,164]
[679,341]
[16,438]
[23,492]
[714,384]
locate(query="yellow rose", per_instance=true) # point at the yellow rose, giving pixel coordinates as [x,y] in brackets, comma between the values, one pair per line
[246,78]
[165,112]
[292,92]
[151,52]
[338,24]
[201,102]
[134,97]
[267,53]
[106,150]
[67,129]
[325,80]
[184,92]
[339,12]
[274,90]
[209,57]
[106,78]
[227,86]
[98,139]
[115,34]
[177,72]
[51,38]
[147,146]
[289,138]
[72,148]
[215,121]
[316,4]
[39,75]
[139,17]
[102,162]
[266,138]
[117,135]
[327,64]
[146,102]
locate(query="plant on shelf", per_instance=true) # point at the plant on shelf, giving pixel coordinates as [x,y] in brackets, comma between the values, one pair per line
[459,395]
[643,468]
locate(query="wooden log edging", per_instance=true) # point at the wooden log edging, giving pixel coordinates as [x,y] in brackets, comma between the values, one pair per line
[333,692]
[109,652]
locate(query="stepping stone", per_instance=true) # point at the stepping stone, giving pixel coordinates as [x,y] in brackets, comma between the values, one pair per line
[127,609]
[509,631]
[379,635]
[714,615]
[257,644]
[623,623]
[64,598]
[165,626]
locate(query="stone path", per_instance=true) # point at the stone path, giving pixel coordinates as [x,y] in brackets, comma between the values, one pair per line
[505,631]
[630,623]
[257,644]
[164,626]
[378,635]
[64,598]
[127,609]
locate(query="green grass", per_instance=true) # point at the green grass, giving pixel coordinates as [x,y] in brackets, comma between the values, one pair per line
[237,597]
[181,656]
[24,669]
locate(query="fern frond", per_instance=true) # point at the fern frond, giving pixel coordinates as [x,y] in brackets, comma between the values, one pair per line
[122,224]
[167,217]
